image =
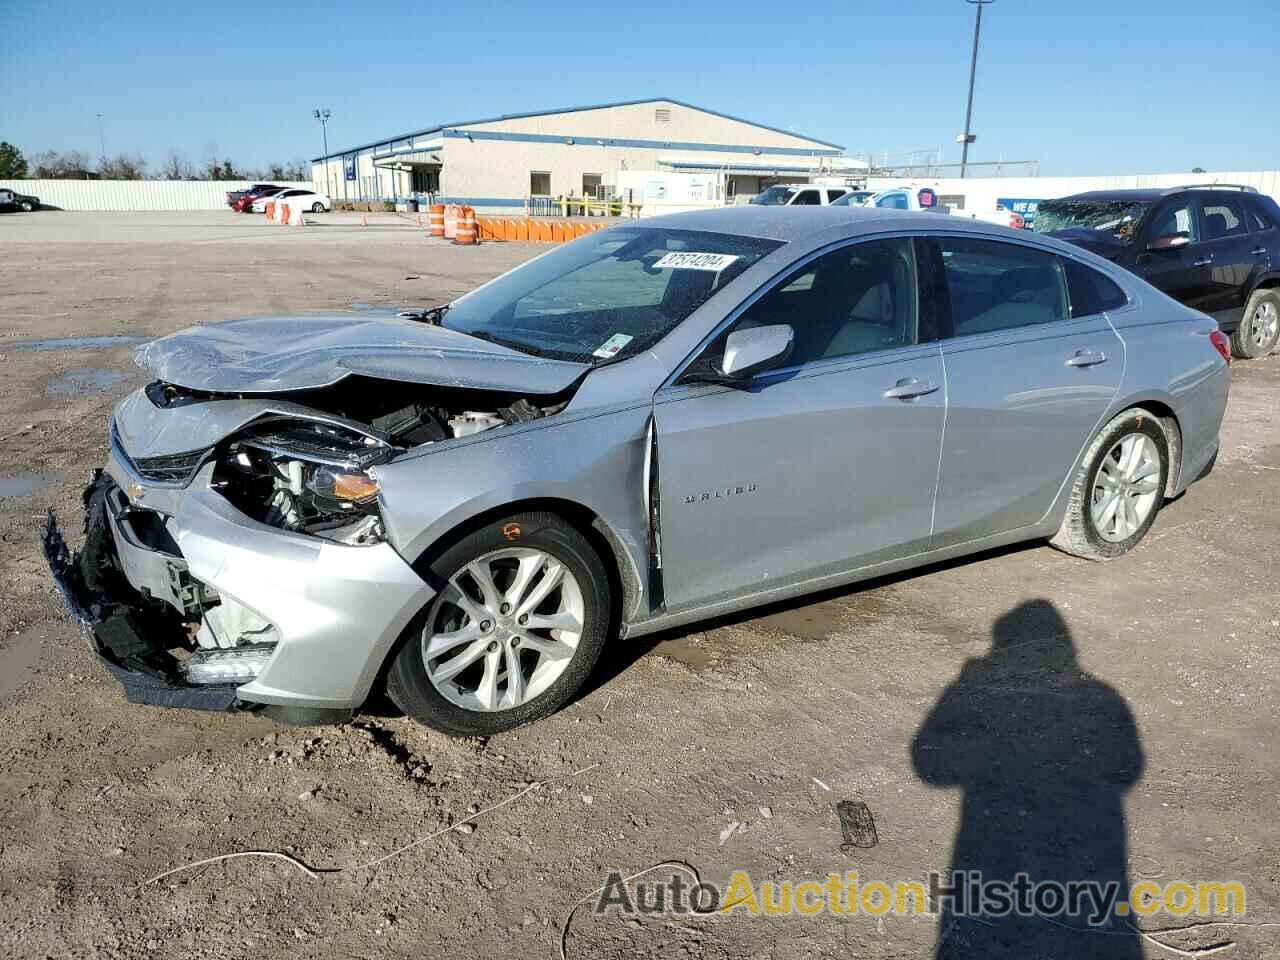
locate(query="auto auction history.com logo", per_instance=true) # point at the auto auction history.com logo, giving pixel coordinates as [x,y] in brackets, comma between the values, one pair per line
[959,893]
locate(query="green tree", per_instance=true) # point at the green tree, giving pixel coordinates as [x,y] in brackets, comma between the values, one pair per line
[1197,170]
[13,165]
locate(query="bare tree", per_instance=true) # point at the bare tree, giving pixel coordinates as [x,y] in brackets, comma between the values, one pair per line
[176,167]
[123,167]
[71,165]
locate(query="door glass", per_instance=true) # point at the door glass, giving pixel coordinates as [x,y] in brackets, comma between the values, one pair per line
[1090,292]
[806,198]
[1000,286]
[853,300]
[1175,218]
[834,195]
[1221,218]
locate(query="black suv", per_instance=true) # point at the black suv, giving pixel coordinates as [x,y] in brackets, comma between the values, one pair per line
[1214,247]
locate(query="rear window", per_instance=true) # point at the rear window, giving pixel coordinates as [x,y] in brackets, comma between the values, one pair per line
[1001,286]
[1259,216]
[1089,291]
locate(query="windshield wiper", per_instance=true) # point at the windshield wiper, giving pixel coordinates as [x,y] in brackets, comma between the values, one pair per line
[510,344]
[431,315]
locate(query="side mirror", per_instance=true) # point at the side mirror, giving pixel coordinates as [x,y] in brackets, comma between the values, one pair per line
[1170,241]
[747,352]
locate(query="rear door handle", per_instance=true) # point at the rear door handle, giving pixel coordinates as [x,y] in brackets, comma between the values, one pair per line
[1202,262]
[1086,358]
[909,387]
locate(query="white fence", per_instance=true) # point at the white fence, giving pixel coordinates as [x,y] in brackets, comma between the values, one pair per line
[135,194]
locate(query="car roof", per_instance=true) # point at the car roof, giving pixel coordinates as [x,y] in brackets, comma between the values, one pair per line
[804,222]
[1148,194]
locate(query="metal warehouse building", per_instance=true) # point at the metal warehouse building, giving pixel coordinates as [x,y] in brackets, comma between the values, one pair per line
[499,163]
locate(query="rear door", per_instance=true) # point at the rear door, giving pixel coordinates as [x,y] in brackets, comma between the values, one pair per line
[1027,384]
[1228,244]
[812,469]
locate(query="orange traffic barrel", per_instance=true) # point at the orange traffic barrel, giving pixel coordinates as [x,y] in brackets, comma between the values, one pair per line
[436,221]
[271,209]
[284,214]
[465,232]
[451,221]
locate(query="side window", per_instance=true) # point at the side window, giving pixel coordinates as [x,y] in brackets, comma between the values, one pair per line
[1091,292]
[894,201]
[1000,286]
[853,300]
[1221,217]
[1259,218]
[807,198]
[834,195]
[1177,218]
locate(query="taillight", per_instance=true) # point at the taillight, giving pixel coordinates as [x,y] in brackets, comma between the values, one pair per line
[1016,221]
[1221,344]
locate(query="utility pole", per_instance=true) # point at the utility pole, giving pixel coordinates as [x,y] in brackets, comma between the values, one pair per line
[322,115]
[102,143]
[967,137]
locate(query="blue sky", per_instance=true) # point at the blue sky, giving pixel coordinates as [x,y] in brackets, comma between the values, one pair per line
[1083,86]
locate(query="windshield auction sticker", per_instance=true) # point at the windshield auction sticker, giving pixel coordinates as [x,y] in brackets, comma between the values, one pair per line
[612,346]
[714,262]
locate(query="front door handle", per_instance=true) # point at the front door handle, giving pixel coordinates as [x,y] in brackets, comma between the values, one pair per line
[1259,251]
[1086,358]
[1202,262]
[909,387]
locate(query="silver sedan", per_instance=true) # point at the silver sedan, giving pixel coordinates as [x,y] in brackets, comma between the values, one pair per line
[655,424]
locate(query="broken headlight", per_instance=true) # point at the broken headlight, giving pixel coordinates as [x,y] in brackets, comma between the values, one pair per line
[306,476]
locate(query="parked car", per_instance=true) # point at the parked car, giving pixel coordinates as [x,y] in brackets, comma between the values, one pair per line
[234,195]
[854,198]
[999,216]
[798,195]
[918,199]
[306,199]
[245,203]
[1215,248]
[12,200]
[654,424]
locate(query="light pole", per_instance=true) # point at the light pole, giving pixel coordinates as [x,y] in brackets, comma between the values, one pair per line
[967,138]
[102,142]
[323,116]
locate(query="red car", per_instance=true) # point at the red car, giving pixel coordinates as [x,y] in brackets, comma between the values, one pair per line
[244,203]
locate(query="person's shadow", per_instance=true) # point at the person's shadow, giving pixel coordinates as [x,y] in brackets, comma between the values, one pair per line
[1044,753]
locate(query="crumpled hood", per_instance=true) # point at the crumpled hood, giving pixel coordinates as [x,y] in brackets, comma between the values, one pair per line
[299,353]
[1091,240]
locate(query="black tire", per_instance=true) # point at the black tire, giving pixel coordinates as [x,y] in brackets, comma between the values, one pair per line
[407,681]
[1245,344]
[1078,534]
[27,206]
[317,208]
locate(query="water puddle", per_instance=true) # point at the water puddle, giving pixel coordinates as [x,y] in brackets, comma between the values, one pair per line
[23,484]
[75,343]
[86,380]
[21,659]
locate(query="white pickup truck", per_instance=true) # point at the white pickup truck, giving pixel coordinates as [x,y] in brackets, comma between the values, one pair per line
[924,198]
[799,194]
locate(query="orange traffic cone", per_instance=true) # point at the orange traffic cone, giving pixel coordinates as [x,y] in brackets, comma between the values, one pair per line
[364,219]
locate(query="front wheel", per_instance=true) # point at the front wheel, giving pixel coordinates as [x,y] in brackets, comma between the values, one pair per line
[317,208]
[28,206]
[1118,490]
[1259,329]
[517,625]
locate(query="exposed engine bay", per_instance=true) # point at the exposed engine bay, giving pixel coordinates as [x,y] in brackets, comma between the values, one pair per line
[309,472]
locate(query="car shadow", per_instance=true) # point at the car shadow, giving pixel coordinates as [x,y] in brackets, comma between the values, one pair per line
[1044,753]
[619,655]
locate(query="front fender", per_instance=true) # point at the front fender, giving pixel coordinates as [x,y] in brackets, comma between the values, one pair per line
[596,462]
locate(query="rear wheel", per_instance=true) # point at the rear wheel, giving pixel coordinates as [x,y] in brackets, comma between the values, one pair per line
[1119,489]
[317,208]
[1259,329]
[28,206]
[515,629]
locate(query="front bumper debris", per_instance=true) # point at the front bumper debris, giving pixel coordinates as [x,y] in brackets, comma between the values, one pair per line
[115,633]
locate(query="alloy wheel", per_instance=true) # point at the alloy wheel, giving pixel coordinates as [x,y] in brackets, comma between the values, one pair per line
[1126,487]
[503,630]
[1264,325]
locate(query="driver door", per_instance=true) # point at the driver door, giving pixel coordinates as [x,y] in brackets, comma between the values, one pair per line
[822,465]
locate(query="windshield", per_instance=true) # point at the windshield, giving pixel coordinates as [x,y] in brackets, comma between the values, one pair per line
[774,196]
[1114,218]
[854,199]
[608,295]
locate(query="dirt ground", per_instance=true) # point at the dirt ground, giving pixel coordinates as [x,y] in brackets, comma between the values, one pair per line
[963,704]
